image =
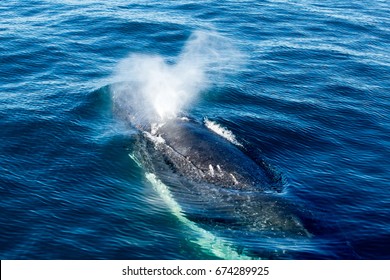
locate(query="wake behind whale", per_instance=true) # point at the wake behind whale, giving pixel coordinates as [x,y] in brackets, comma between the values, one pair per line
[213,185]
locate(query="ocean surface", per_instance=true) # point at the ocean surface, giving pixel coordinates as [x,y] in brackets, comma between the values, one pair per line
[304,83]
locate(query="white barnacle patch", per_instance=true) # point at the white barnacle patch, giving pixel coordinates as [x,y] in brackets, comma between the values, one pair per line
[155,139]
[154,127]
[160,140]
[234,179]
[211,169]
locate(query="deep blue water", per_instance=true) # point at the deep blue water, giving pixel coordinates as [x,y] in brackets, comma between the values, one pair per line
[312,96]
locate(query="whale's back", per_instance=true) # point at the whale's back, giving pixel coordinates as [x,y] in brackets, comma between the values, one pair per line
[204,156]
[215,182]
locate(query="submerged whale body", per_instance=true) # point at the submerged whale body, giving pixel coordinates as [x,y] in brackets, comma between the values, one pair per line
[214,181]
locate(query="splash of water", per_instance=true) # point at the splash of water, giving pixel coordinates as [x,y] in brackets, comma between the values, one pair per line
[222,131]
[166,89]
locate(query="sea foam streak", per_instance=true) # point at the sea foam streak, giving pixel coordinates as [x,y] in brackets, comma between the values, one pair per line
[222,131]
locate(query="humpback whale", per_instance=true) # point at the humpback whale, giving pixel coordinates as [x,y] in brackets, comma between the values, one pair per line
[216,183]
[220,189]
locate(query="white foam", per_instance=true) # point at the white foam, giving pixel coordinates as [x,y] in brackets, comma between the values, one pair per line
[205,239]
[156,139]
[133,157]
[155,127]
[234,179]
[211,170]
[224,132]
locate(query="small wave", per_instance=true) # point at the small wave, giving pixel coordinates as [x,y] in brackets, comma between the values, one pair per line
[224,132]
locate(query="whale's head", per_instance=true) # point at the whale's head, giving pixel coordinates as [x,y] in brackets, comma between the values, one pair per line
[215,182]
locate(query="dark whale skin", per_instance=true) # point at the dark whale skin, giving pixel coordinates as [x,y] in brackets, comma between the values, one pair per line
[236,192]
